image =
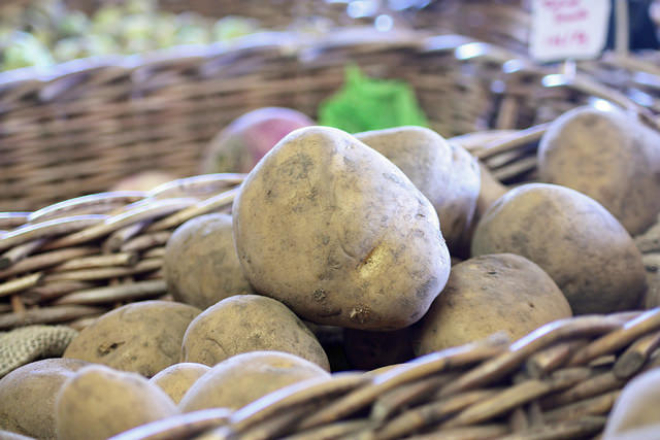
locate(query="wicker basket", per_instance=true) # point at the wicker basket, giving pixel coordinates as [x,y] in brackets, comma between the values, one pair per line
[81,130]
[502,22]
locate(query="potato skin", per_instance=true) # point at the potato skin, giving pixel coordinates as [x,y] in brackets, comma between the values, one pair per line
[488,294]
[201,265]
[247,323]
[608,156]
[246,377]
[144,337]
[27,396]
[176,379]
[636,407]
[444,172]
[99,402]
[576,241]
[339,234]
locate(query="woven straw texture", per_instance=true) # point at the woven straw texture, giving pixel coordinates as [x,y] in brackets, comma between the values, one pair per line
[559,382]
[84,127]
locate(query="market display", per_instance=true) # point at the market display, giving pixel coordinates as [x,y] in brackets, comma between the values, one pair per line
[304,237]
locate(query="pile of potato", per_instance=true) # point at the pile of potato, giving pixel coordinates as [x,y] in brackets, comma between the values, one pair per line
[358,233]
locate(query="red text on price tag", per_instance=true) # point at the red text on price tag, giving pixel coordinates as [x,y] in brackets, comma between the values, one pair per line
[563,29]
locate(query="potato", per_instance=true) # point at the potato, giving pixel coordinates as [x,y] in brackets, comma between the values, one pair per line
[201,264]
[576,241]
[636,406]
[99,402]
[609,156]
[646,433]
[444,172]
[367,350]
[490,190]
[27,396]
[238,147]
[240,324]
[246,377]
[176,379]
[143,337]
[488,294]
[339,234]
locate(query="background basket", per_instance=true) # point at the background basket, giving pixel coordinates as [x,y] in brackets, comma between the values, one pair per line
[83,127]
[505,23]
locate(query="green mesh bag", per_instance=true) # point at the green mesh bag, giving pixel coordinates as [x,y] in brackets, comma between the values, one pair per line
[365,104]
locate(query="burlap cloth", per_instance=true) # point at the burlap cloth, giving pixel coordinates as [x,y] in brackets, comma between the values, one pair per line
[26,344]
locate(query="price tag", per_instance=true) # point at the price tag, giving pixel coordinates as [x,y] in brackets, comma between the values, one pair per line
[564,29]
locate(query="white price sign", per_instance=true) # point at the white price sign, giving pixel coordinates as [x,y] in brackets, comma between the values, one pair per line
[564,29]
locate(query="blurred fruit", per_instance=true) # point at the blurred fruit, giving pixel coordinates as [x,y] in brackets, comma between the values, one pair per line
[44,32]
[232,27]
[247,139]
[25,50]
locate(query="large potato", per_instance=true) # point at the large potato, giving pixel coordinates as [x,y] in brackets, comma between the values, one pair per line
[176,379]
[636,407]
[488,294]
[576,241]
[27,396]
[609,156]
[444,172]
[245,323]
[339,234]
[143,337]
[99,402]
[201,265]
[246,377]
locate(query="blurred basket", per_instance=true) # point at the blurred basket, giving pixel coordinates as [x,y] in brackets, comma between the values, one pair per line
[505,23]
[83,127]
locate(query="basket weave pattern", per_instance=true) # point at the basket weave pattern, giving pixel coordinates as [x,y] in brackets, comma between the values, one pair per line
[559,382]
[81,130]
